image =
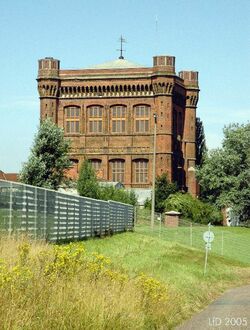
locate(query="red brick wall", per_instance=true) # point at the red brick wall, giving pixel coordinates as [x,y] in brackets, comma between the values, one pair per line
[170,96]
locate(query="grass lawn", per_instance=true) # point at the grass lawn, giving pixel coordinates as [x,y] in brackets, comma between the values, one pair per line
[180,267]
[76,289]
[230,242]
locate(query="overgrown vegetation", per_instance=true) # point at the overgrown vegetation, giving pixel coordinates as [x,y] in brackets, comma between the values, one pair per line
[167,198]
[225,174]
[193,209]
[118,195]
[89,186]
[49,158]
[163,189]
[44,287]
[128,281]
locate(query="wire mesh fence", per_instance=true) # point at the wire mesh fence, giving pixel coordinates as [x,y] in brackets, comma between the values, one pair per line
[229,242]
[55,216]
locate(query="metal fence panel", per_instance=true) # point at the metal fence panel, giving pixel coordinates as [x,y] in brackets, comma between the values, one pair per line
[54,216]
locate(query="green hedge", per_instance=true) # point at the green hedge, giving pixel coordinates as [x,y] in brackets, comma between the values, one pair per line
[193,209]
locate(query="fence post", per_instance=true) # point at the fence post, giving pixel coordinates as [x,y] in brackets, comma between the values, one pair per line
[191,234]
[135,215]
[35,220]
[101,216]
[160,225]
[10,210]
[45,214]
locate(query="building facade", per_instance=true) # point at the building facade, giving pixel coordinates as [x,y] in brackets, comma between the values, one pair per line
[108,113]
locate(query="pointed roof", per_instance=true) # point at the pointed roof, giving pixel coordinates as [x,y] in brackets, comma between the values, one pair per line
[120,63]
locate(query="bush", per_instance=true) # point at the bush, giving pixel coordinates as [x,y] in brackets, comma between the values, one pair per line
[193,209]
[88,186]
[118,195]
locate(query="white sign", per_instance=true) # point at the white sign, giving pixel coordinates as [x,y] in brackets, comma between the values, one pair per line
[208,236]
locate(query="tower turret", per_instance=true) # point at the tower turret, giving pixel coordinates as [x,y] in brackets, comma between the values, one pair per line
[48,67]
[190,80]
[164,63]
[48,87]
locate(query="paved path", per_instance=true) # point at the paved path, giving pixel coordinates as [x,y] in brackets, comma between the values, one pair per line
[230,311]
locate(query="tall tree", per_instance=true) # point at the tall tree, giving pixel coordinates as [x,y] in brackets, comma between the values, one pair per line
[225,175]
[49,158]
[201,148]
[163,188]
[87,184]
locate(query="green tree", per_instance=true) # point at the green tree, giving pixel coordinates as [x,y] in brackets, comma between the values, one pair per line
[49,159]
[225,175]
[201,148]
[87,184]
[163,188]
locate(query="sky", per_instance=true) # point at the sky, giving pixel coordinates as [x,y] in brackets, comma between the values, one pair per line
[212,37]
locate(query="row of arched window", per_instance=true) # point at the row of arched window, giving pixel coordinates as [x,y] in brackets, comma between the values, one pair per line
[116,170]
[118,119]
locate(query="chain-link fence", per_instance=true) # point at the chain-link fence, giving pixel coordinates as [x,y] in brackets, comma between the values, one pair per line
[55,216]
[229,242]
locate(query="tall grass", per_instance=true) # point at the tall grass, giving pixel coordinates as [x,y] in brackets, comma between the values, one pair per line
[128,281]
[65,287]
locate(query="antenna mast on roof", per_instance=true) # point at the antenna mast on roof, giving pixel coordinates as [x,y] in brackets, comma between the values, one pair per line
[121,50]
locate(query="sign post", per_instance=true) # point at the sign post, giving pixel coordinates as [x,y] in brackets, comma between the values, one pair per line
[208,237]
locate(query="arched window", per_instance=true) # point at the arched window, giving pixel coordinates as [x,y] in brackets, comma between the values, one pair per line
[118,118]
[95,114]
[117,170]
[142,116]
[96,164]
[72,119]
[140,169]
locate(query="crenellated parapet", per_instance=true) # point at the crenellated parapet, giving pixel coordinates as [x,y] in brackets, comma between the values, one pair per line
[128,90]
[191,83]
[164,63]
[190,79]
[48,68]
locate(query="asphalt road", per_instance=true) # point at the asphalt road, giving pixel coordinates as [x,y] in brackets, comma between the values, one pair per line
[230,311]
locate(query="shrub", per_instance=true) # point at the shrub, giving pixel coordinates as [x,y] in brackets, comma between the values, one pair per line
[118,195]
[193,209]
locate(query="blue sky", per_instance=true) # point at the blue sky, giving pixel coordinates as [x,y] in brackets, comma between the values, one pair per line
[212,37]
